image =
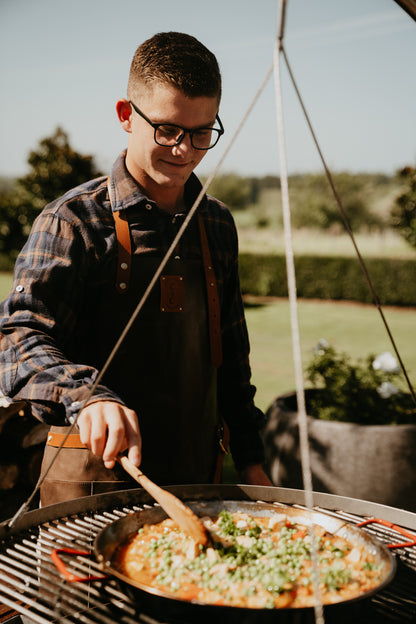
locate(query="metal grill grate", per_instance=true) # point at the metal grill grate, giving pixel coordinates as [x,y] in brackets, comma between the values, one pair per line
[31,584]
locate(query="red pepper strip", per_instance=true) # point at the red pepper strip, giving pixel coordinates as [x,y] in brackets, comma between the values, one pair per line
[299,533]
[72,578]
[395,527]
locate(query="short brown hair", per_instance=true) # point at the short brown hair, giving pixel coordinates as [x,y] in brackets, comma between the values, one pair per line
[179,60]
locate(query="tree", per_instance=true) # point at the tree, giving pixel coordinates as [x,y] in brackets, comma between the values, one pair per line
[315,206]
[403,214]
[233,190]
[54,169]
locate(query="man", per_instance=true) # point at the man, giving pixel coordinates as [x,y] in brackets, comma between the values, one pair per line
[91,254]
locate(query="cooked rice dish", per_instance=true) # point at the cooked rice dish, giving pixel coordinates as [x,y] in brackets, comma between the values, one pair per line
[254,562]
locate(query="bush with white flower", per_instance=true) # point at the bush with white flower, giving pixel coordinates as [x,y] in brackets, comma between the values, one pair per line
[369,391]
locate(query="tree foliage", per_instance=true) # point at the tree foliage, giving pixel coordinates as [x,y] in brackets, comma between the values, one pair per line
[236,192]
[315,205]
[55,167]
[403,214]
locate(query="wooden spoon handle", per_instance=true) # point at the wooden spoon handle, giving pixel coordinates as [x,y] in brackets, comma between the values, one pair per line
[129,467]
[174,507]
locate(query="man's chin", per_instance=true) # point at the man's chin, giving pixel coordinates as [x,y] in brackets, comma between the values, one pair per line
[172,180]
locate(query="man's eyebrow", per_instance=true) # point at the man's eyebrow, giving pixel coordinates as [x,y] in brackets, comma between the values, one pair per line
[209,124]
[171,123]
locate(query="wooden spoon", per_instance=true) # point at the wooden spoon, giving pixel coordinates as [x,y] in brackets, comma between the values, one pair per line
[174,507]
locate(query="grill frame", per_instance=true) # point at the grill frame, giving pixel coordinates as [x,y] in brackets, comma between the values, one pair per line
[74,524]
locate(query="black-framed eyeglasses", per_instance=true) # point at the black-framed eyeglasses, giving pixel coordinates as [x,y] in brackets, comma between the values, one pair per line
[169,135]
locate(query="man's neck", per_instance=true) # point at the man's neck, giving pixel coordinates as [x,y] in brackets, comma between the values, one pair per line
[170,199]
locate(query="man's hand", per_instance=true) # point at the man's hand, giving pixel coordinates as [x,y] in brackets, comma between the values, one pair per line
[107,428]
[254,475]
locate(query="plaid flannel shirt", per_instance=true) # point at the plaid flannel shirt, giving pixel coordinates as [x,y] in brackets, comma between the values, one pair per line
[68,248]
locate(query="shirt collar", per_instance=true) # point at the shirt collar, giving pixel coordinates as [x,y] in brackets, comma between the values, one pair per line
[126,192]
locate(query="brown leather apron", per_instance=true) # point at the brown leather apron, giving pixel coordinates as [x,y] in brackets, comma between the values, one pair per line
[164,370]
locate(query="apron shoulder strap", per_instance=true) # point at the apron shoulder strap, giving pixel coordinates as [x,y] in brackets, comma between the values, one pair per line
[124,248]
[214,318]
[124,270]
[124,252]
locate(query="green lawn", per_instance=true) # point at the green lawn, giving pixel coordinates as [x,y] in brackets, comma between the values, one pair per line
[5,284]
[355,328]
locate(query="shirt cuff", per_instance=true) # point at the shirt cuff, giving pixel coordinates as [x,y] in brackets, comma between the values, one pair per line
[74,400]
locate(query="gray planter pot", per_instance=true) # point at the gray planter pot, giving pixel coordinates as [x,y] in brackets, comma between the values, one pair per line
[369,462]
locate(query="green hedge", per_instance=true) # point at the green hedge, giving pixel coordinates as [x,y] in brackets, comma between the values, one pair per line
[331,278]
[325,278]
[6,262]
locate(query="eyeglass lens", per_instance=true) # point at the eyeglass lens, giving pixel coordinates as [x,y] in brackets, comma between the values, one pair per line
[203,138]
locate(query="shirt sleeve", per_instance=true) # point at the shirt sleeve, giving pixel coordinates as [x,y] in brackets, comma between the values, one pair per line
[38,316]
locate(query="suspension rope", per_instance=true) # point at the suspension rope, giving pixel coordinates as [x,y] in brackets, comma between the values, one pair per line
[349,230]
[178,236]
[293,306]
[291,276]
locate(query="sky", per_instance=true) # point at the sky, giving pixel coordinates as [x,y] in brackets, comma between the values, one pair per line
[65,63]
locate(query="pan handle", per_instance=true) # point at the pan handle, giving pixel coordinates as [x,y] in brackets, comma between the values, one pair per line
[395,527]
[60,565]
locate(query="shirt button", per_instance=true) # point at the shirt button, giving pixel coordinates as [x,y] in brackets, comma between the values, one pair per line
[124,266]
[20,288]
[148,206]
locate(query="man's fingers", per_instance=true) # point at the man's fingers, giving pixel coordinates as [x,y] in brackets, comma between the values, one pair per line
[134,439]
[135,455]
[84,426]
[115,438]
[108,428]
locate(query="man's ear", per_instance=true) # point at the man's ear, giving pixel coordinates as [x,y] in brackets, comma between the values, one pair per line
[124,113]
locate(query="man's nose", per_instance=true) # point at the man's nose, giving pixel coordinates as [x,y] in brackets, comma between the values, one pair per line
[184,146]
